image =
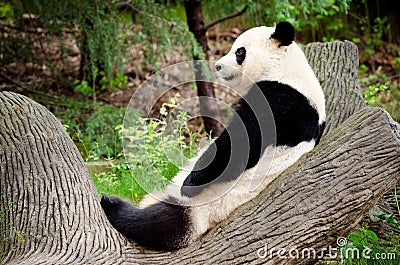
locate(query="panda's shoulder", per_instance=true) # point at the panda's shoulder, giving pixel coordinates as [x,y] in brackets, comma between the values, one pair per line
[282,97]
[277,91]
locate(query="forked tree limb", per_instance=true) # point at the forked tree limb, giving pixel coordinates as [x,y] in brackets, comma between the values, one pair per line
[48,196]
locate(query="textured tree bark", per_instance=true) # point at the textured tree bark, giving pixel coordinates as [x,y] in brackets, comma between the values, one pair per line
[330,67]
[336,67]
[50,211]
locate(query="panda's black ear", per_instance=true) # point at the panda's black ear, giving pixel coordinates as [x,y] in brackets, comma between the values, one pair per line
[284,33]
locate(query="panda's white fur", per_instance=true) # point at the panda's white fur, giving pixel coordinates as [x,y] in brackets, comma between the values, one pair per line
[266,58]
[267,61]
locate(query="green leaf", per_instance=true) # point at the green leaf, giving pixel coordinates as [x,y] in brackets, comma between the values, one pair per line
[371,235]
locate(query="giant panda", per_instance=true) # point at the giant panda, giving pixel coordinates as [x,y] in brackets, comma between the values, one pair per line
[281,117]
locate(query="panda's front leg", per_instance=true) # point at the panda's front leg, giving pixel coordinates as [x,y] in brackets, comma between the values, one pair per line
[193,185]
[219,163]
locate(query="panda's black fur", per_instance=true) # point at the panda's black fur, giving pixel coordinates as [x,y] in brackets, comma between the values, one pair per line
[285,33]
[167,225]
[295,121]
[162,226]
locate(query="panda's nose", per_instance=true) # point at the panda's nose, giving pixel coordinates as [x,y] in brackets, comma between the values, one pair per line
[218,67]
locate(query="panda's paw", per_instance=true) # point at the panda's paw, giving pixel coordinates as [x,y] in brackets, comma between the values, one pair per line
[110,204]
[190,188]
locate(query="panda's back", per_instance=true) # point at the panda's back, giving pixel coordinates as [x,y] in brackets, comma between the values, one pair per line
[296,119]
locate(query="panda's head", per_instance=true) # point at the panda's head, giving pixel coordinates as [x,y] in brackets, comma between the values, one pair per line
[256,54]
[270,53]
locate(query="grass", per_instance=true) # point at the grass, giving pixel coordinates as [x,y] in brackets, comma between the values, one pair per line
[119,181]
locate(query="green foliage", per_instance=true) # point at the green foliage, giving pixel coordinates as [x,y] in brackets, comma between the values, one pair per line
[119,81]
[6,11]
[153,156]
[379,91]
[91,127]
[98,22]
[373,95]
[397,62]
[161,29]
[99,138]
[363,237]
[119,181]
[371,249]
[101,43]
[83,87]
[302,14]
[388,218]
[374,34]
[364,247]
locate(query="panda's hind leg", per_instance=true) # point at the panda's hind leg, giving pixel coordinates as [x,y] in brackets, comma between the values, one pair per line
[162,226]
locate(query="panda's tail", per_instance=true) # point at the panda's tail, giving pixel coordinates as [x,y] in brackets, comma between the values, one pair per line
[161,226]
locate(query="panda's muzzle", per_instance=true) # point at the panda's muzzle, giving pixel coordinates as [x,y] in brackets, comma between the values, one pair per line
[218,67]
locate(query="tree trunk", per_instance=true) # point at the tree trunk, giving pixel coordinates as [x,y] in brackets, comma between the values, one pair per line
[208,106]
[336,66]
[50,211]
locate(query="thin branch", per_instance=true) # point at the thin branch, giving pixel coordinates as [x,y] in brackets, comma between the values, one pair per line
[238,13]
[16,83]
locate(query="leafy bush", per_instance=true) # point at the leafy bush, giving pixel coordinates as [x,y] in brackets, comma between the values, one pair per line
[379,91]
[120,81]
[92,127]
[373,94]
[154,155]
[364,248]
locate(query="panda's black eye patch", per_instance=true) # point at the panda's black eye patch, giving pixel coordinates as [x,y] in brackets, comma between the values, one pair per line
[240,55]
